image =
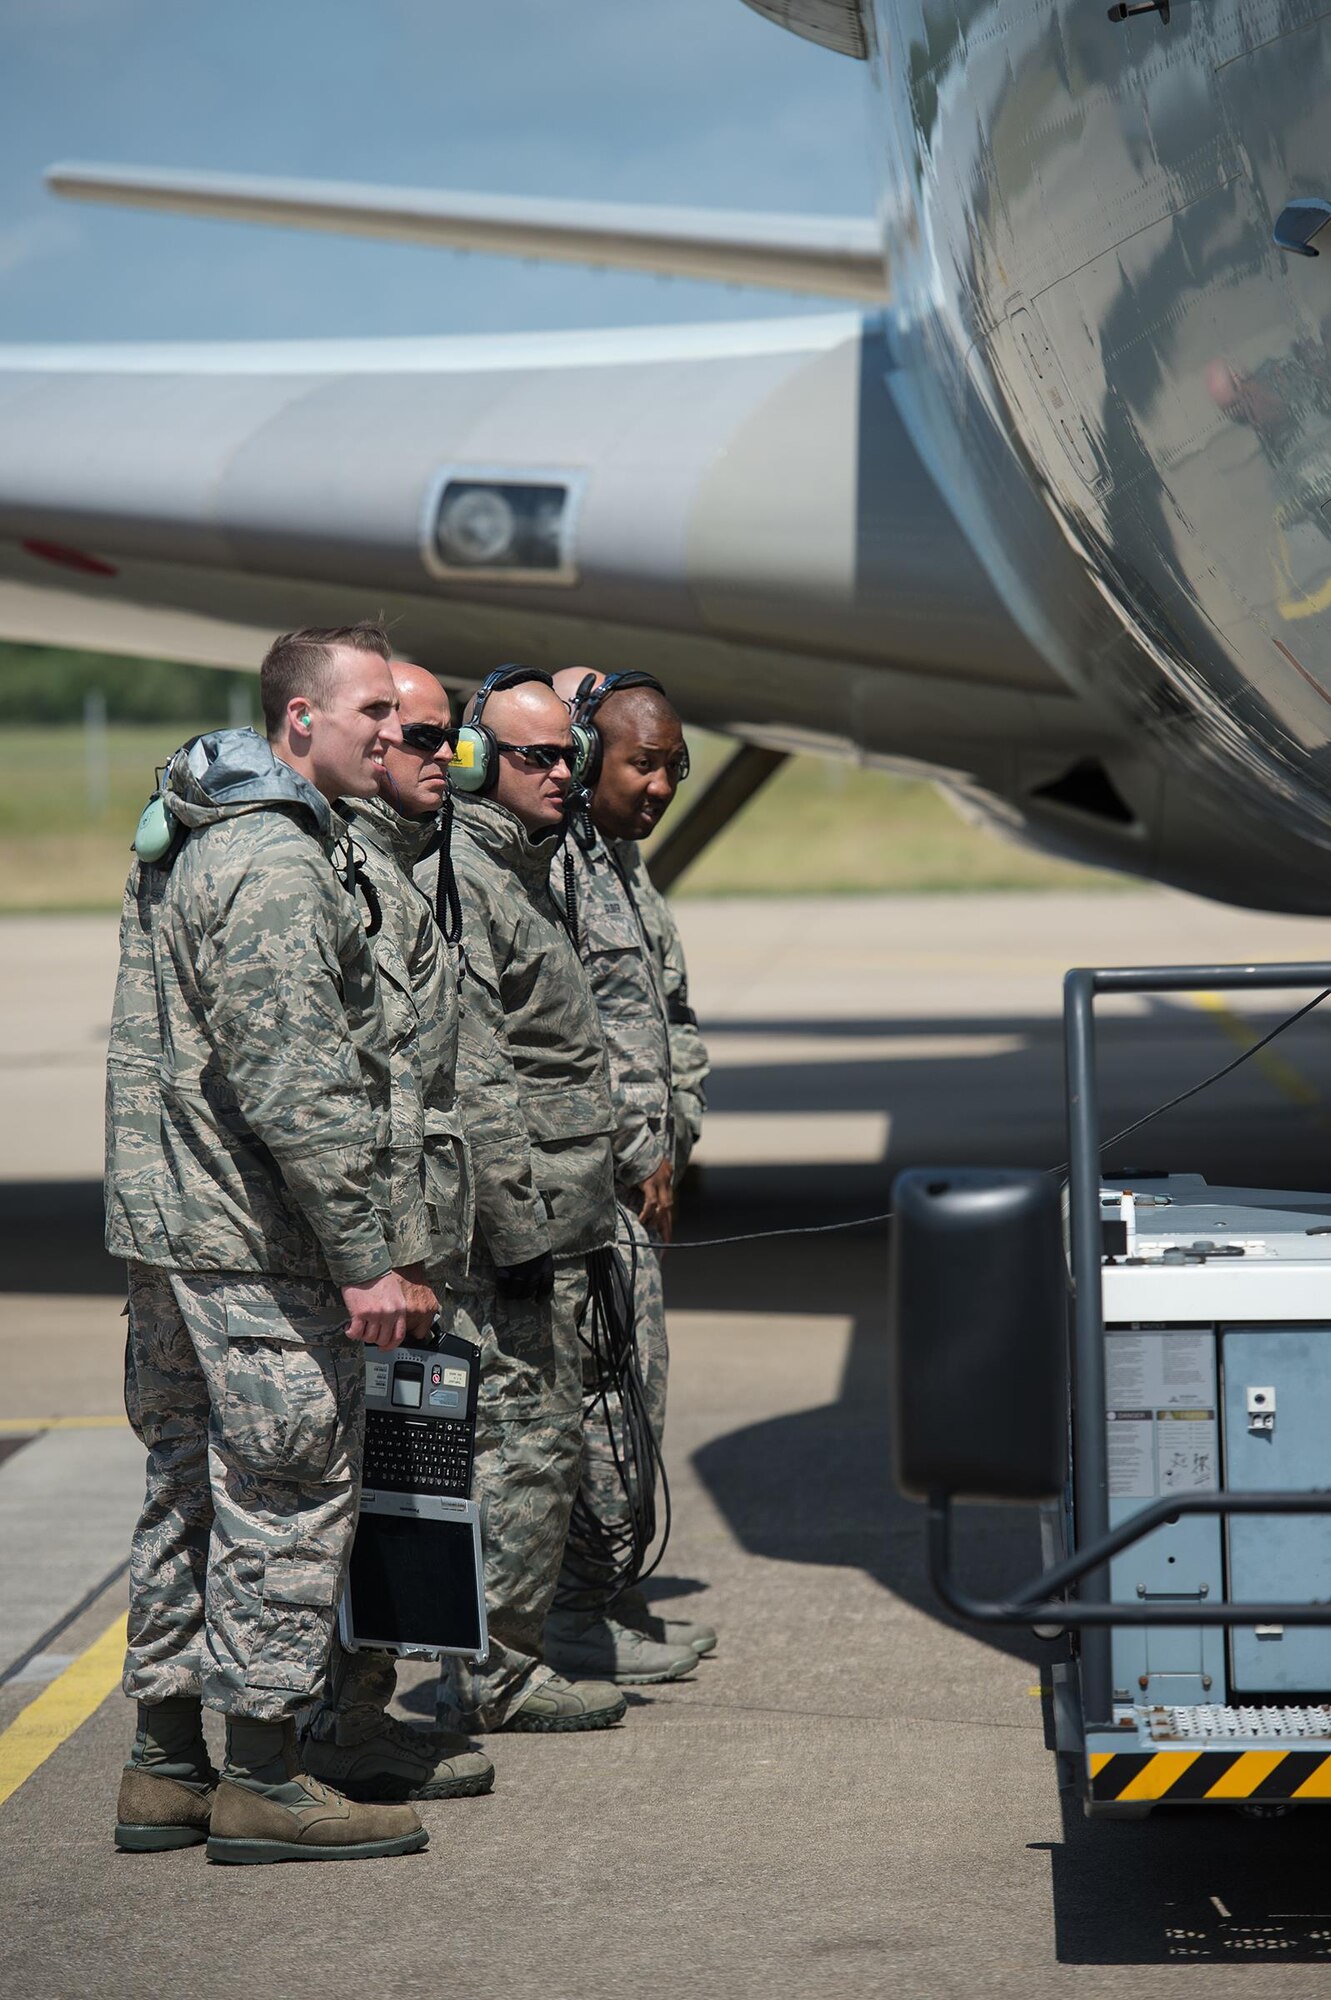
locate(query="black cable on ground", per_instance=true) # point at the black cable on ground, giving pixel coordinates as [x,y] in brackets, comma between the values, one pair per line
[1124,1132]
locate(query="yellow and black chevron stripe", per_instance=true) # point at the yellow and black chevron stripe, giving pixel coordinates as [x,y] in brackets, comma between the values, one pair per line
[1216,1776]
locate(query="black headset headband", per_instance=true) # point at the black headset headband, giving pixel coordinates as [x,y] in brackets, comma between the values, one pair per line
[502,678]
[588,700]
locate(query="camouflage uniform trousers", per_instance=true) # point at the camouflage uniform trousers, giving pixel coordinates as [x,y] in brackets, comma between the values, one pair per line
[362,1684]
[250,1400]
[601,1488]
[528,1450]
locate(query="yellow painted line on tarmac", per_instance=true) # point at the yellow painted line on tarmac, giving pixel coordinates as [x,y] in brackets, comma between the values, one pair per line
[26,1426]
[1277,1069]
[61,1708]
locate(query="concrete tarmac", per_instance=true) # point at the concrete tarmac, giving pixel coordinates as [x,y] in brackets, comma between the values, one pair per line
[852,1796]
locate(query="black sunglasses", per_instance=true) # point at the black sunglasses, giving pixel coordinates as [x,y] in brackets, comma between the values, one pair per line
[427,736]
[542,756]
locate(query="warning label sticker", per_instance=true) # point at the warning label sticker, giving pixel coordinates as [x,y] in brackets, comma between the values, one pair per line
[1185,1451]
[1161,1415]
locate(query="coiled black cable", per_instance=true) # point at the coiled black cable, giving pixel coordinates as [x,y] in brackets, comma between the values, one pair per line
[356,881]
[571,903]
[602,1558]
[447,902]
[578,826]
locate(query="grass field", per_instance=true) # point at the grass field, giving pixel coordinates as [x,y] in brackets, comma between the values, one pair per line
[816,828]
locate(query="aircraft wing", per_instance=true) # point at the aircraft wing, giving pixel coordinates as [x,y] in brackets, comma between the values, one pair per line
[827,256]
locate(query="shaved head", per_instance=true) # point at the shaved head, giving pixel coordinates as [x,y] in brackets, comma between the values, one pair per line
[416,777]
[643,757]
[531,714]
[639,711]
[532,708]
[416,686]
[569,679]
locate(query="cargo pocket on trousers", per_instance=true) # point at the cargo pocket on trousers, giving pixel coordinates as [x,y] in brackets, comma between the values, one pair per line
[281,1415]
[290,1650]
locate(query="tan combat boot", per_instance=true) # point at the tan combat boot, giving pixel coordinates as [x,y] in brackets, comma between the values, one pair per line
[582,1647]
[166,1789]
[377,1757]
[557,1705]
[632,1608]
[268,1809]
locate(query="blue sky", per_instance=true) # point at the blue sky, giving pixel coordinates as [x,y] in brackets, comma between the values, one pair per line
[679,101]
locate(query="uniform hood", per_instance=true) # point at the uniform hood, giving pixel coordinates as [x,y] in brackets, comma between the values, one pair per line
[406,841]
[230,771]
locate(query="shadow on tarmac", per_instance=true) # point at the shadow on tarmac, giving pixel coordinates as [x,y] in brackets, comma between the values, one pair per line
[1001,1108]
[1181,1885]
[816,1486]
[1189,1884]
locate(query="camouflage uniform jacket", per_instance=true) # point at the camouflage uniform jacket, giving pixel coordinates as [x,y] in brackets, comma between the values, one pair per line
[418,987]
[627,984]
[689,1066]
[532,1075]
[247,1092]
[634,981]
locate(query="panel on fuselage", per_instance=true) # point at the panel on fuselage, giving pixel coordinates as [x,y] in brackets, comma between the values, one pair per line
[1273,376]
[1185,426]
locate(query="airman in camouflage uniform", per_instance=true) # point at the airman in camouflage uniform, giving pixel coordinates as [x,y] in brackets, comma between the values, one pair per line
[630,946]
[533,1088]
[350,1740]
[247,1186]
[689,1063]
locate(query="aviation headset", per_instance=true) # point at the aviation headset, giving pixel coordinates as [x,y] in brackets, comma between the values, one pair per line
[590,750]
[475,766]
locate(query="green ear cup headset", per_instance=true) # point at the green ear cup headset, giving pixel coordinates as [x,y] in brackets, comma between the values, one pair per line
[159,835]
[475,765]
[587,737]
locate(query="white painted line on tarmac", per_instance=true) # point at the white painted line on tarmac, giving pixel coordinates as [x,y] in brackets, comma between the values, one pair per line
[33,1426]
[793,1138]
[68,1504]
[739,1049]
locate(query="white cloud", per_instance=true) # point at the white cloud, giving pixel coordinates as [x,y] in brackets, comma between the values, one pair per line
[34,237]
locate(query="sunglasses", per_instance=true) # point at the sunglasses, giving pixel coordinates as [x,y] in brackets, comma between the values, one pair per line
[427,736]
[542,756]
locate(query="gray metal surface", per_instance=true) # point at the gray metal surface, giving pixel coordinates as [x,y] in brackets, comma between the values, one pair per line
[1090,1456]
[1056,528]
[1212,1723]
[1104,311]
[1148,1374]
[1282,1444]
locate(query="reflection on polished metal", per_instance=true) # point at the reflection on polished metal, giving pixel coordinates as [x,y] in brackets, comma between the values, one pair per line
[1066,505]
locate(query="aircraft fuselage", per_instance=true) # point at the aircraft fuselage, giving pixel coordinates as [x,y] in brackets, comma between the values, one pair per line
[1091,310]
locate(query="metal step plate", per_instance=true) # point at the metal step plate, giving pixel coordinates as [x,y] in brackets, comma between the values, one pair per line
[1214,1724]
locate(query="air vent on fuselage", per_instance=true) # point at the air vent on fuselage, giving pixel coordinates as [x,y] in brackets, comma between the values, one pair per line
[1088,788]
